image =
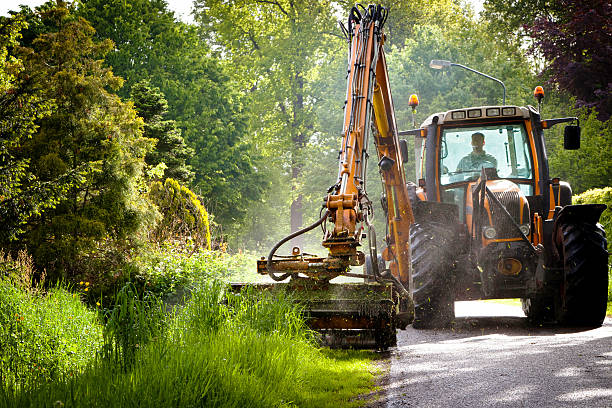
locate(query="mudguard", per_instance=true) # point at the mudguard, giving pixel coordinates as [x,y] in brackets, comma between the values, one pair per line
[583,212]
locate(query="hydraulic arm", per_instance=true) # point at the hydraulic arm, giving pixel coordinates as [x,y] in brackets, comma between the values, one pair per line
[368,95]
[368,112]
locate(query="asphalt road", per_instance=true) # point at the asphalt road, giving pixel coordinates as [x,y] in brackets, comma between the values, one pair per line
[492,358]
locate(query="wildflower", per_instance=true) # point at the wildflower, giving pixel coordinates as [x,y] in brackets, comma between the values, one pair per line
[86,283]
[86,289]
[81,282]
[97,303]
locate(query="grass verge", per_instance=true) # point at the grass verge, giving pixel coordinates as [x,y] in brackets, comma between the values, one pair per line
[247,352]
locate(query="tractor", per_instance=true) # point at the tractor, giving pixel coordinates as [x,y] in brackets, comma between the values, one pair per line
[491,222]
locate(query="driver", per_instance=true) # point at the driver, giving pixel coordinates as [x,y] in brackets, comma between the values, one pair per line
[478,157]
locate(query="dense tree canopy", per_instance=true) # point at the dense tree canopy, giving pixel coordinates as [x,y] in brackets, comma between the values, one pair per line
[22,103]
[150,44]
[275,48]
[89,132]
[170,149]
[246,104]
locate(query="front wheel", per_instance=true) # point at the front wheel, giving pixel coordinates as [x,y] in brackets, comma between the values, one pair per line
[432,260]
[584,291]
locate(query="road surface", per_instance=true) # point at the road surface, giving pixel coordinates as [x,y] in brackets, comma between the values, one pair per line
[492,358]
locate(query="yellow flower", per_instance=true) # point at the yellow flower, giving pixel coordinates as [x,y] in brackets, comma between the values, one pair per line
[97,303]
[86,289]
[86,283]
[81,282]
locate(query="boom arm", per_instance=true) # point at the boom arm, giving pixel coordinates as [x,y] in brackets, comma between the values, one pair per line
[368,95]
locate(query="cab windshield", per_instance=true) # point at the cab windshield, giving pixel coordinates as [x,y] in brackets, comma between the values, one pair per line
[466,150]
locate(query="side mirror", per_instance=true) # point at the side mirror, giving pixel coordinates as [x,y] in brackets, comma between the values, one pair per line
[404,150]
[571,137]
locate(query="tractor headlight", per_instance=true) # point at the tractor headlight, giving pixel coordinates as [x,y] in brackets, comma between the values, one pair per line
[525,229]
[489,232]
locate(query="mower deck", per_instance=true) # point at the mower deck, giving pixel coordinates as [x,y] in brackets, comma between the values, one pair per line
[346,315]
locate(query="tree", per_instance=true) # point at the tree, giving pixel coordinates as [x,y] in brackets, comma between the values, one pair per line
[577,45]
[405,15]
[591,165]
[22,103]
[151,44]
[275,46]
[509,17]
[170,148]
[91,132]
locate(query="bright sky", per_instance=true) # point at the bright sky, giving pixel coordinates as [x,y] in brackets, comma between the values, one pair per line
[180,7]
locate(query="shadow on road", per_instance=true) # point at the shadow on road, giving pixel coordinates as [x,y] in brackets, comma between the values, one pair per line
[507,325]
[487,361]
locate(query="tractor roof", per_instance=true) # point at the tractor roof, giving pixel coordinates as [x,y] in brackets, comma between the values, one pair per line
[477,113]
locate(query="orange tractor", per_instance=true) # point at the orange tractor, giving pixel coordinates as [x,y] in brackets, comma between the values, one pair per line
[492,223]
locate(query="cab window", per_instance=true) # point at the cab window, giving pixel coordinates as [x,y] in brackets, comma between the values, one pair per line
[465,151]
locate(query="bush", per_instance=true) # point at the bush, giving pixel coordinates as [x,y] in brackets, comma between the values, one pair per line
[167,269]
[184,216]
[601,196]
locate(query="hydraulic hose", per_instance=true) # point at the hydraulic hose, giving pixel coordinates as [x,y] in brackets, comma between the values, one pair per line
[284,276]
[378,274]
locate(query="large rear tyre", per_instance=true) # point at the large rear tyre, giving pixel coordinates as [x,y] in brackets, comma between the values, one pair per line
[584,292]
[432,261]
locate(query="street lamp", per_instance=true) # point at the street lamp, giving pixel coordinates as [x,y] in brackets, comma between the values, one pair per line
[443,64]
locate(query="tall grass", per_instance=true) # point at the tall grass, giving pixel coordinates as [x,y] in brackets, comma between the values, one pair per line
[44,337]
[248,351]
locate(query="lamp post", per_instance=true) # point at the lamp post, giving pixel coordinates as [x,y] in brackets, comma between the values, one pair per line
[443,64]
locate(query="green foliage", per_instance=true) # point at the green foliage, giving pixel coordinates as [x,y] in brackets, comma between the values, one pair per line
[275,49]
[405,16]
[184,216]
[151,44]
[90,133]
[509,17]
[591,165]
[168,270]
[23,195]
[131,324]
[601,196]
[44,337]
[170,148]
[253,352]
